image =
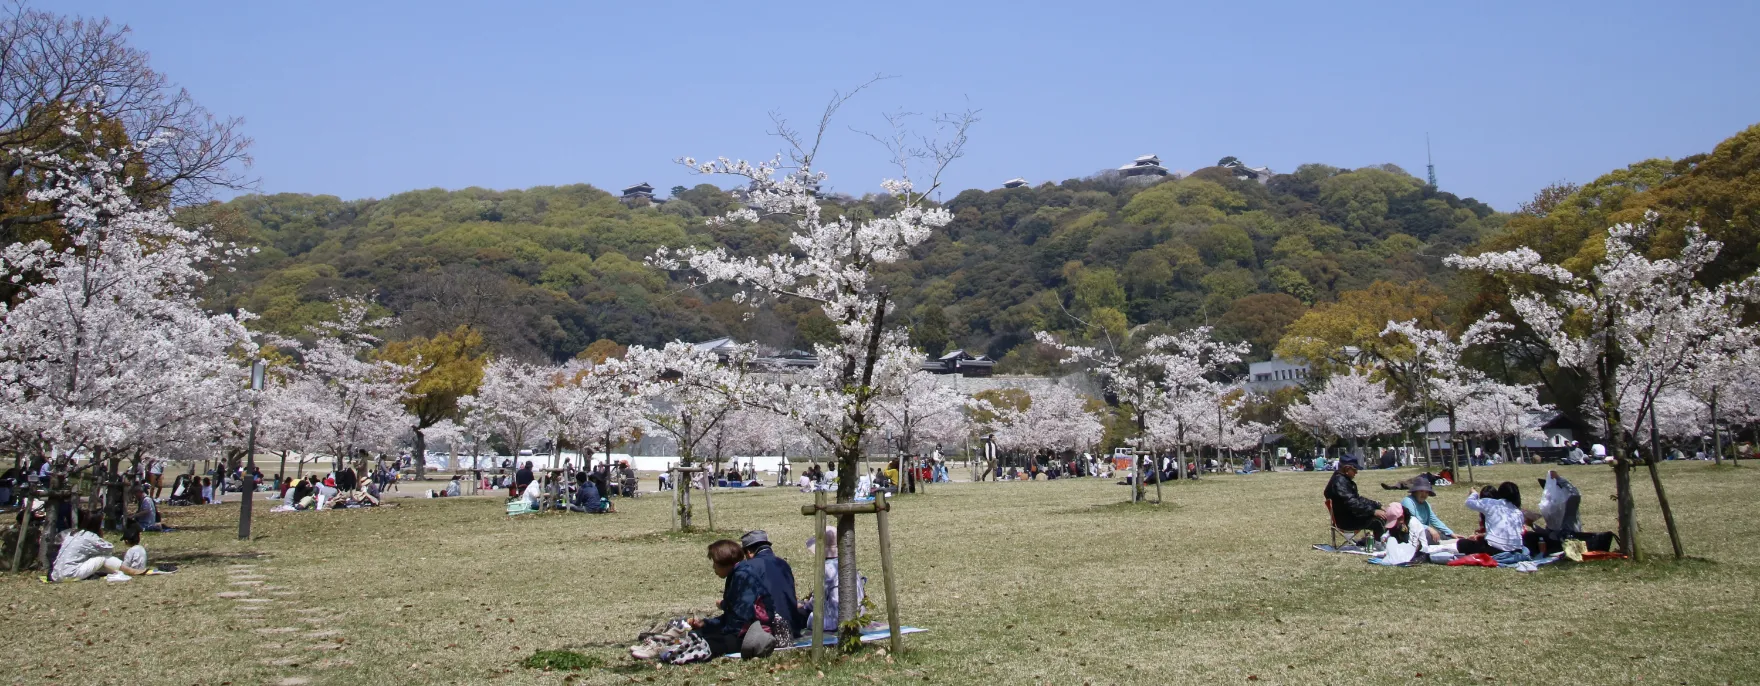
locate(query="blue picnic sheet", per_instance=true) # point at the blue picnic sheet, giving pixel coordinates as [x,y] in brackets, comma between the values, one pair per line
[871,635]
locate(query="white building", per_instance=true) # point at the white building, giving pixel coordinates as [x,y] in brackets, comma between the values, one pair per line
[1275,373]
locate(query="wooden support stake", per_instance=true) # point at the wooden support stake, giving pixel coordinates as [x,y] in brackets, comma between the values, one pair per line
[709,505]
[819,572]
[891,583]
[870,507]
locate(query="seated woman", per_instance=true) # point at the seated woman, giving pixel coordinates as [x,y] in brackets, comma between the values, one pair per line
[1502,507]
[735,630]
[85,554]
[804,609]
[1417,505]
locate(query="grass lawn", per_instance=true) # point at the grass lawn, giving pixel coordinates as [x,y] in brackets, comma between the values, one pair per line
[1045,582]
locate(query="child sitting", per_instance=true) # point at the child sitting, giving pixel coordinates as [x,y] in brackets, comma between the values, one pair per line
[136,557]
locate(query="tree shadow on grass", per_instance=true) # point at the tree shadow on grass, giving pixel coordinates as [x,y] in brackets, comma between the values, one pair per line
[200,556]
[693,535]
[1145,508]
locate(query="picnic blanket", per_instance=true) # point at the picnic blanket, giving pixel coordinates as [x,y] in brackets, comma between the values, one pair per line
[871,635]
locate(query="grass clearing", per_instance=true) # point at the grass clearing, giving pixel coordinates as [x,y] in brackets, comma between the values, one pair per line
[1042,582]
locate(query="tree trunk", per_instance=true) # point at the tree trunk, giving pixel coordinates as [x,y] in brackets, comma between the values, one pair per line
[1454,467]
[421,454]
[849,451]
[1716,434]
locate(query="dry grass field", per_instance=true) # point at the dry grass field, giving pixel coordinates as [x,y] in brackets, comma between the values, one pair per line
[1018,583]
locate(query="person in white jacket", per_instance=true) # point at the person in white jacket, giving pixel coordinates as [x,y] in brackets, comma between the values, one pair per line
[1504,521]
[85,553]
[829,623]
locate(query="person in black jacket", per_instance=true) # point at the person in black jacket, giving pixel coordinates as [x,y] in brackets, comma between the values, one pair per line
[1352,511]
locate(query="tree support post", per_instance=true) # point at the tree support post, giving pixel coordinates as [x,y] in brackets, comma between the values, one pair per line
[819,576]
[879,507]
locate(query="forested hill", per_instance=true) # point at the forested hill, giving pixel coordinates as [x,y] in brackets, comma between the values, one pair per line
[546,271]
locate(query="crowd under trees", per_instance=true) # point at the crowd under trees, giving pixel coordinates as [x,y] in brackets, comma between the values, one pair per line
[134,308]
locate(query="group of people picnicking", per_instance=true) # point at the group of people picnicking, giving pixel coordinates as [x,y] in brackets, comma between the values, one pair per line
[336,490]
[759,609]
[575,490]
[1507,534]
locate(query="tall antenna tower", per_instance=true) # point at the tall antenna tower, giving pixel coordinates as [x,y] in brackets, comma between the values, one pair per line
[1430,162]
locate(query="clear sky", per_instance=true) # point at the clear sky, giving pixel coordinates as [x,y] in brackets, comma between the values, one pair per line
[369,98]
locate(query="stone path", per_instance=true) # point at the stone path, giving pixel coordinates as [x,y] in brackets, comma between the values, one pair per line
[295,637]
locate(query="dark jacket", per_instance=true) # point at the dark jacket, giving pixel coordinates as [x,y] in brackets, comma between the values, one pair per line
[586,497]
[740,594]
[778,580]
[522,478]
[1349,508]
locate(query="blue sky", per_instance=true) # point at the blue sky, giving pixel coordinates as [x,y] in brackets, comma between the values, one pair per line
[366,99]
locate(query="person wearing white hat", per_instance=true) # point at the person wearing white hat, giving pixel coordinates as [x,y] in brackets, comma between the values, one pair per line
[829,622]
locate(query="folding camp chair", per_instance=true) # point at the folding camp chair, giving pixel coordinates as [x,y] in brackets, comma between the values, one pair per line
[1349,536]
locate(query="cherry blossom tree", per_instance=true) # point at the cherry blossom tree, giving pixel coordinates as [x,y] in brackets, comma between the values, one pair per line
[1499,411]
[1443,380]
[1729,385]
[925,414]
[1632,324]
[1351,406]
[832,261]
[689,392]
[1056,419]
[1166,370]
[602,407]
[294,412]
[510,404]
[105,350]
[365,395]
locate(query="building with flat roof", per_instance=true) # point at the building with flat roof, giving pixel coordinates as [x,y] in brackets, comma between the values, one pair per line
[1275,373]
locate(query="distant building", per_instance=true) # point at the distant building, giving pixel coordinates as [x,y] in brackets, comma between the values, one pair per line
[959,362]
[639,193]
[1246,173]
[1276,373]
[1016,182]
[1147,165]
[725,348]
[1554,427]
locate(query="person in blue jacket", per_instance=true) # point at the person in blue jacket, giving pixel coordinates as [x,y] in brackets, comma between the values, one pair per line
[1417,505]
[778,580]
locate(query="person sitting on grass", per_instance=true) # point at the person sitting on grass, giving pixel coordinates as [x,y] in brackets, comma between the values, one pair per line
[136,557]
[1351,511]
[804,609]
[1501,506]
[1417,504]
[736,629]
[85,554]
[586,496]
[146,514]
[778,580]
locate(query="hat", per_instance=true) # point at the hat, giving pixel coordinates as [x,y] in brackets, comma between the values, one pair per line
[1421,485]
[830,548]
[1395,512]
[754,537]
[1349,461]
